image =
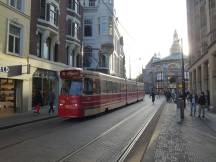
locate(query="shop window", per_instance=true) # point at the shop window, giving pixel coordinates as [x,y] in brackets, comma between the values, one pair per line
[44,81]
[7,96]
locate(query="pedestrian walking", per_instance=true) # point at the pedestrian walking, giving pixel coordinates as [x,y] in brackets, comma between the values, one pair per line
[51,101]
[168,96]
[38,102]
[193,98]
[153,96]
[202,102]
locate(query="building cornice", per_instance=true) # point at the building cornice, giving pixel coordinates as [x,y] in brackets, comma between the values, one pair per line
[15,10]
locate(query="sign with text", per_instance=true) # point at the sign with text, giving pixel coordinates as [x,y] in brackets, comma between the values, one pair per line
[14,70]
[4,69]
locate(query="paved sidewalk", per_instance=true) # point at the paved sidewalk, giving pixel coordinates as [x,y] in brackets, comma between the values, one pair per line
[194,140]
[24,118]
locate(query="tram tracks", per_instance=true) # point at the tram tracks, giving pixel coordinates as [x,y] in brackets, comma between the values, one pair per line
[122,155]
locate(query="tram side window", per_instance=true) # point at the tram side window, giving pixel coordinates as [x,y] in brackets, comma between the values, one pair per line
[88,86]
[103,86]
[113,87]
[97,86]
[110,87]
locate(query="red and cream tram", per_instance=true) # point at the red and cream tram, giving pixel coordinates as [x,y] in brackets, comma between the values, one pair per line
[86,93]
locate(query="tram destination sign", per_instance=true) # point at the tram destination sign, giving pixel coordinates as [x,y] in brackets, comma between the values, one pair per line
[70,74]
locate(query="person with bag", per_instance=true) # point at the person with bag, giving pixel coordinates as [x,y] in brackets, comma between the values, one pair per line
[38,102]
[202,103]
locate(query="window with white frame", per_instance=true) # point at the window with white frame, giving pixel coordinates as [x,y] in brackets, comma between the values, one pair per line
[69,25]
[88,27]
[74,5]
[98,26]
[39,44]
[47,49]
[73,28]
[110,26]
[92,3]
[53,14]
[104,25]
[18,4]
[14,39]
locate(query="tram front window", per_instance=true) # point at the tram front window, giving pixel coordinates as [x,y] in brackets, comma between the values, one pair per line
[71,87]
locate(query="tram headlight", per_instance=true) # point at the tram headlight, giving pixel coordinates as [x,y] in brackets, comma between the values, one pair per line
[75,105]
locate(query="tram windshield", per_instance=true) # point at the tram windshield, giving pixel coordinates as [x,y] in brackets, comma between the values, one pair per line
[71,87]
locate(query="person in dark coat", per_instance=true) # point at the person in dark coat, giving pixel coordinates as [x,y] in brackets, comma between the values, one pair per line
[153,96]
[51,102]
[38,102]
[202,102]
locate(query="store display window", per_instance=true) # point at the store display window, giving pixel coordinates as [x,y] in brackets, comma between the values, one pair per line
[44,81]
[7,96]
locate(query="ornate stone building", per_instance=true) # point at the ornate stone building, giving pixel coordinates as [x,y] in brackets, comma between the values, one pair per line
[202,54]
[38,39]
[166,73]
[102,42]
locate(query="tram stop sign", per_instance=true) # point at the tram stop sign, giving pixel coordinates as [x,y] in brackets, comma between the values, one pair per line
[14,70]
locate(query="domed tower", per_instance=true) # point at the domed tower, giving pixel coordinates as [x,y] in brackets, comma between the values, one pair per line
[175,48]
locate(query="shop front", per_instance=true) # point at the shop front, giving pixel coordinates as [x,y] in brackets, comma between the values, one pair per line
[7,97]
[44,81]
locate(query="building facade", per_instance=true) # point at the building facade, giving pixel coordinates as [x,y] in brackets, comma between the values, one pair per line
[55,43]
[103,44]
[14,49]
[166,73]
[202,54]
[38,39]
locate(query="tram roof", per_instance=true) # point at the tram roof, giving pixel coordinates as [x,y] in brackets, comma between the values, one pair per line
[96,73]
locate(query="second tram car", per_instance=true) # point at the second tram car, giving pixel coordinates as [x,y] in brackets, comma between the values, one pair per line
[85,93]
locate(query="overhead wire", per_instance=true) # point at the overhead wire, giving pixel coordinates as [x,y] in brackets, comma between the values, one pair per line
[117,20]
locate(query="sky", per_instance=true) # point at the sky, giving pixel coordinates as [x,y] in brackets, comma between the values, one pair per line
[147,27]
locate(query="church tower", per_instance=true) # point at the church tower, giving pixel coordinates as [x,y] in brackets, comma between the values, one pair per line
[175,48]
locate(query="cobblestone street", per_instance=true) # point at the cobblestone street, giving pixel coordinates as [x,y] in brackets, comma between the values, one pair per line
[191,141]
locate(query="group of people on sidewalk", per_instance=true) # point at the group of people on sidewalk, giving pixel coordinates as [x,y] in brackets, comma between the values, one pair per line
[201,102]
[39,102]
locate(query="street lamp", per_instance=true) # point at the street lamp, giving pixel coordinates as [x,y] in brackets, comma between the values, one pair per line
[140,79]
[183,79]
